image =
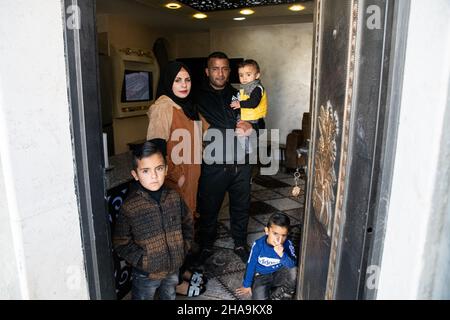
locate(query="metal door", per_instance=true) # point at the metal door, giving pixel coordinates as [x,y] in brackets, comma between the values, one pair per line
[349,112]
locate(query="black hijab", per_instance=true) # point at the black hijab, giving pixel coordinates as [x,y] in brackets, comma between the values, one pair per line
[165,85]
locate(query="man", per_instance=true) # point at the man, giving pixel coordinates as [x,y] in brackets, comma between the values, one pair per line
[225,169]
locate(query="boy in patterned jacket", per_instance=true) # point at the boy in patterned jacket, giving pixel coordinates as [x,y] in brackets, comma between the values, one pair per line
[271,268]
[154,229]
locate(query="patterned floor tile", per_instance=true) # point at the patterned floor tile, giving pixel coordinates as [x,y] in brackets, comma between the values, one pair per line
[266,195]
[226,243]
[269,182]
[294,220]
[263,218]
[260,207]
[300,199]
[296,214]
[283,204]
[287,192]
[282,175]
[257,187]
[232,282]
[253,225]
[289,182]
[222,262]
[252,237]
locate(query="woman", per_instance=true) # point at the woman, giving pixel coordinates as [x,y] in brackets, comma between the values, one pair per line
[174,118]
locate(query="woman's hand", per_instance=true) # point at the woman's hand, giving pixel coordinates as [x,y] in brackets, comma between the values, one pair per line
[244,129]
[244,291]
[181,181]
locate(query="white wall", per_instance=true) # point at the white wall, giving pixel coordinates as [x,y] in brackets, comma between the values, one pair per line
[420,150]
[9,285]
[284,54]
[193,45]
[42,256]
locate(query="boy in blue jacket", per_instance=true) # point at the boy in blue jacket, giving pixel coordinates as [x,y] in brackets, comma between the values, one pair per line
[271,267]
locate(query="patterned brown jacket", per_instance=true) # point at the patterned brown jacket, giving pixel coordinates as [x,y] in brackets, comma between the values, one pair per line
[154,238]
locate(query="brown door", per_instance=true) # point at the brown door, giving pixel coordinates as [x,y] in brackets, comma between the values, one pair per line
[348,112]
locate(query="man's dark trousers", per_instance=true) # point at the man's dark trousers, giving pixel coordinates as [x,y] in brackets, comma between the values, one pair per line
[215,180]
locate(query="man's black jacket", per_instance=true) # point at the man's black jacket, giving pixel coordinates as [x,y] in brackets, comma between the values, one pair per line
[214,106]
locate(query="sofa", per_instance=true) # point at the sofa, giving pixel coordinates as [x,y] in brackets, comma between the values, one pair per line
[296,139]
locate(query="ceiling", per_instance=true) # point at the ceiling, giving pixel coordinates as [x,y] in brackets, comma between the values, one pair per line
[154,14]
[211,5]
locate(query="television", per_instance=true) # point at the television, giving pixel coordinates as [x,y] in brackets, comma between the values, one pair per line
[137,86]
[135,74]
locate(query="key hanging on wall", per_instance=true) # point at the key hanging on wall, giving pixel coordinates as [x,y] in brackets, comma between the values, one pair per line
[296,190]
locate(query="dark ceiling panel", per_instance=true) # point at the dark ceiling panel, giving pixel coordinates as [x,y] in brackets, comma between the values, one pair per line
[215,5]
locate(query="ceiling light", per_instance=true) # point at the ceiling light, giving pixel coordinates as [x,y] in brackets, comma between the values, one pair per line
[200,16]
[247,12]
[173,5]
[297,7]
[239,18]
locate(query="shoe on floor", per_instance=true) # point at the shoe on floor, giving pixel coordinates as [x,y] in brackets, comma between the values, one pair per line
[281,293]
[243,252]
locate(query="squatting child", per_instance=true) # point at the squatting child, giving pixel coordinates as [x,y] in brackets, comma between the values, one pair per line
[271,268]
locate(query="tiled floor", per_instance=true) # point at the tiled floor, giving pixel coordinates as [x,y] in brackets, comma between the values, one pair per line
[269,194]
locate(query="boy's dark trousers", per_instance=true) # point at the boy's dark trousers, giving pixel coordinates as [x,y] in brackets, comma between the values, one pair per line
[215,180]
[278,285]
[144,288]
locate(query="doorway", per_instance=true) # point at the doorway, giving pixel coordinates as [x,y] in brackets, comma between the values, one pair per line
[354,111]
[83,60]
[288,80]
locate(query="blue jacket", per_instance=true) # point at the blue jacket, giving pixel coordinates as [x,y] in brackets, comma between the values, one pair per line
[264,260]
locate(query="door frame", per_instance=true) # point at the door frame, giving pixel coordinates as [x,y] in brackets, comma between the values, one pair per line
[84,104]
[392,85]
[390,89]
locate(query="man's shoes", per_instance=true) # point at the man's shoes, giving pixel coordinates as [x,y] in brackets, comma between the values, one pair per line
[242,252]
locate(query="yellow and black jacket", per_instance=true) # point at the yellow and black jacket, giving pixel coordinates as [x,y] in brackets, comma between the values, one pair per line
[253,101]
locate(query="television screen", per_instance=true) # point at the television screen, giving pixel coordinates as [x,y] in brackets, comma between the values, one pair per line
[137,86]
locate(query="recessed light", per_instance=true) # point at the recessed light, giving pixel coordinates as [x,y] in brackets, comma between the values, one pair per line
[247,12]
[297,7]
[173,6]
[200,16]
[239,18]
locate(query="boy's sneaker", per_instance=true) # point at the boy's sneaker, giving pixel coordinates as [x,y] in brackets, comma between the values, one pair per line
[282,293]
[243,252]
